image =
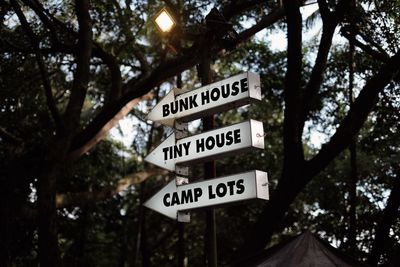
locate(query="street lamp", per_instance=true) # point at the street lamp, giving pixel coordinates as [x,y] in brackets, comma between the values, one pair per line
[165,21]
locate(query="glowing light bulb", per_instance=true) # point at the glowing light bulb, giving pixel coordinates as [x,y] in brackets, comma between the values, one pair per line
[165,21]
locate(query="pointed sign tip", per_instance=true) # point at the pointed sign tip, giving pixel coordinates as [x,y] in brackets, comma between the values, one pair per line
[156,114]
[156,157]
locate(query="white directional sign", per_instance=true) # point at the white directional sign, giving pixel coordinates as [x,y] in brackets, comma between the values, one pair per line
[172,198]
[210,99]
[234,138]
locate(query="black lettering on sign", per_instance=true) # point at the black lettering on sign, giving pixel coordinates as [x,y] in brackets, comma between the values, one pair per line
[211,195]
[229,138]
[220,140]
[187,196]
[183,104]
[192,101]
[235,88]
[174,107]
[175,199]
[210,142]
[165,109]
[215,94]
[205,97]
[236,134]
[176,151]
[224,91]
[240,186]
[179,105]
[231,185]
[221,190]
[200,145]
[244,86]
[197,193]
[166,200]
[229,188]
[186,147]
[165,151]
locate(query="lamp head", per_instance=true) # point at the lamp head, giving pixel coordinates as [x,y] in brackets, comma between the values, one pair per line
[164,21]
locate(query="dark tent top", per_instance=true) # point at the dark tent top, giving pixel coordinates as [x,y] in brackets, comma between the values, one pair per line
[304,250]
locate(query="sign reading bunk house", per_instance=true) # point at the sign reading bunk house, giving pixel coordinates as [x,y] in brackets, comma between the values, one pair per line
[180,196]
[210,99]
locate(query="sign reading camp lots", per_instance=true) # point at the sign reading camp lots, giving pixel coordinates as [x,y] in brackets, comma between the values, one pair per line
[179,195]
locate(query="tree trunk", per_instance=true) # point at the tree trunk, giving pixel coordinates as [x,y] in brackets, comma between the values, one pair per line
[5,233]
[352,230]
[57,149]
[47,223]
[143,230]
[390,214]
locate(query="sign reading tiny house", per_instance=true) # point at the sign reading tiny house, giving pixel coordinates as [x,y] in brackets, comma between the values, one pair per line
[211,144]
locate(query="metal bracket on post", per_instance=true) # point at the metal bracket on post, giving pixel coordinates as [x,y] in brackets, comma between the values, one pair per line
[181,131]
[182,170]
[183,216]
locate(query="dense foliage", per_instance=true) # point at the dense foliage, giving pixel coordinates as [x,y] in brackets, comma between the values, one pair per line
[71,195]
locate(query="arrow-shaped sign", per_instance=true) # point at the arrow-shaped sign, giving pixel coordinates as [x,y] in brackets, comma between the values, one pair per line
[238,137]
[210,99]
[172,198]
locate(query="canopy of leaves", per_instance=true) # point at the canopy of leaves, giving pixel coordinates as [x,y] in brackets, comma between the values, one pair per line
[102,221]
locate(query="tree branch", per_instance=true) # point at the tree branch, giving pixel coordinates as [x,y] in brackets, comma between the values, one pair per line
[83,198]
[231,10]
[43,71]
[37,7]
[378,55]
[8,137]
[144,64]
[324,10]
[115,72]
[317,73]
[330,22]
[368,39]
[107,58]
[266,21]
[293,126]
[78,151]
[81,76]
[356,116]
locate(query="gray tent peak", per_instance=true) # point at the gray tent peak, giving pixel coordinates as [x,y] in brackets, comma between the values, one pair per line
[304,250]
